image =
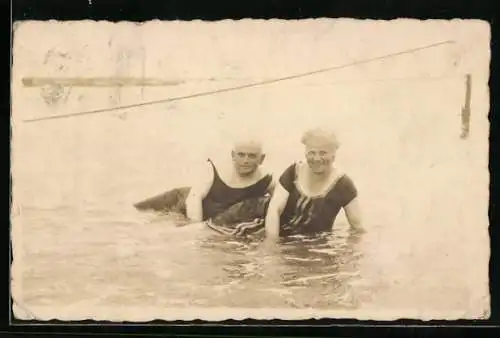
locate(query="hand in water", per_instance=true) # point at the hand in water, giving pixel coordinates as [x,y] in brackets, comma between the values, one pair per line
[271,246]
[358,231]
[355,235]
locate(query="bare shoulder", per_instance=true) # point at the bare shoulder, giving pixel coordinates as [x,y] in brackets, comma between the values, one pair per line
[264,171]
[203,174]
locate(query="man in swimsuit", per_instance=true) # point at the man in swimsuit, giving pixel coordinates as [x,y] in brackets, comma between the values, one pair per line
[221,189]
[237,196]
[310,195]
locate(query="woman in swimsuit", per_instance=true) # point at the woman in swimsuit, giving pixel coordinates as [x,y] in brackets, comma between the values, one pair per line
[310,195]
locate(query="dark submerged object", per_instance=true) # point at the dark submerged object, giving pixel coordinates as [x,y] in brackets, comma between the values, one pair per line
[247,210]
[243,217]
[169,201]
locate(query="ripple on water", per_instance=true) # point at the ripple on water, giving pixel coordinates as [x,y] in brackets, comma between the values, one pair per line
[149,260]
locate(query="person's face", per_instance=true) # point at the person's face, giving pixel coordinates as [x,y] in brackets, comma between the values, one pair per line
[320,159]
[247,158]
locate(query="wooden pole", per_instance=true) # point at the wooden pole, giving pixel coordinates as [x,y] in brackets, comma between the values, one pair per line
[466,108]
[115,81]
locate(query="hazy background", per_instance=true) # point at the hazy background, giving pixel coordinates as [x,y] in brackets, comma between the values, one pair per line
[424,192]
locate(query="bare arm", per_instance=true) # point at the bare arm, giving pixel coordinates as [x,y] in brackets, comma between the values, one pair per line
[276,207]
[353,215]
[199,190]
[271,187]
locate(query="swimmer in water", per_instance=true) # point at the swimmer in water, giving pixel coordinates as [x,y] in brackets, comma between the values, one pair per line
[310,195]
[222,189]
[238,194]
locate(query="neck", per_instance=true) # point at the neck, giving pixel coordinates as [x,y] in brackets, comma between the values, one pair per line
[320,176]
[244,176]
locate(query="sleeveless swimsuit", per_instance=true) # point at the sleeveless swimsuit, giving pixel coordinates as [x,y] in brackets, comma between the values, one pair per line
[305,214]
[221,196]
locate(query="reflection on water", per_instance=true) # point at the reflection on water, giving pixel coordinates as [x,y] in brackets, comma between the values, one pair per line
[317,272]
[154,261]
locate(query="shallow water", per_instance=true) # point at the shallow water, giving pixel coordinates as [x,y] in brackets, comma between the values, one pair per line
[149,259]
[75,182]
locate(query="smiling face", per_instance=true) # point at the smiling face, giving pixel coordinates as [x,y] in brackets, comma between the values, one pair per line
[247,157]
[320,149]
[320,158]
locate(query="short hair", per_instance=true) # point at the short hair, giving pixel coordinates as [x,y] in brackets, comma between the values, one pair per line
[320,138]
[248,140]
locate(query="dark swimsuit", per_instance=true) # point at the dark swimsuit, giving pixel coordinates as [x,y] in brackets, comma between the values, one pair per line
[308,215]
[221,196]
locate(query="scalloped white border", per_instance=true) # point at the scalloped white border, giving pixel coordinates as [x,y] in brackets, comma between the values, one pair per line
[146,314]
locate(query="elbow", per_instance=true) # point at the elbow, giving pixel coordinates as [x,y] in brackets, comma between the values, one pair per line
[195,216]
[194,210]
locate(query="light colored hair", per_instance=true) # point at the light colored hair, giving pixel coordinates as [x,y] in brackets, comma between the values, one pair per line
[319,137]
[248,140]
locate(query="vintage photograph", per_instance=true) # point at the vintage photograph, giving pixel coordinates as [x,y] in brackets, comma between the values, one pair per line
[266,169]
